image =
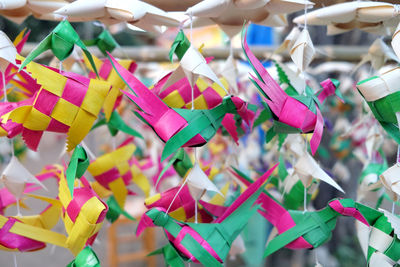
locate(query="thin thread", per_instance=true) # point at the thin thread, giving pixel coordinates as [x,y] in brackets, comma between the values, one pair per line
[177,193]
[305,14]
[192,99]
[18,208]
[305,199]
[398,154]
[113,142]
[90,153]
[393,207]
[305,28]
[15,259]
[5,99]
[4,87]
[191,40]
[305,188]
[316,258]
[53,248]
[195,211]
[191,25]
[60,66]
[396,10]
[195,203]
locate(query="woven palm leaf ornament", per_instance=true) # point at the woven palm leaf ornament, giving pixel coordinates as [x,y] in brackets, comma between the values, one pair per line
[381,94]
[191,63]
[209,199]
[107,73]
[115,172]
[87,257]
[14,176]
[61,42]
[105,42]
[205,96]
[181,208]
[31,233]
[10,50]
[291,114]
[369,16]
[84,213]
[179,127]
[230,15]
[207,243]
[13,234]
[135,13]
[67,103]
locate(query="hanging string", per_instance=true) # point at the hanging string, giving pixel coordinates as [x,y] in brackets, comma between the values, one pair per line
[180,188]
[191,40]
[305,14]
[113,142]
[398,154]
[396,10]
[195,211]
[15,259]
[195,202]
[192,99]
[305,28]
[92,156]
[176,195]
[305,188]
[4,87]
[53,248]
[5,99]
[18,207]
[305,198]
[317,264]
[191,26]
[12,153]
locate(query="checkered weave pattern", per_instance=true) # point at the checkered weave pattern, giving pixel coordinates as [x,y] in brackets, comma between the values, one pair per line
[66,103]
[183,207]
[179,95]
[115,172]
[107,73]
[83,214]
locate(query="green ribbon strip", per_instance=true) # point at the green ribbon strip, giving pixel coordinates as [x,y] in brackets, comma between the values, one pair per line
[115,124]
[61,41]
[105,42]
[180,45]
[219,236]
[114,211]
[316,228]
[171,256]
[204,122]
[77,166]
[86,258]
[384,110]
[181,162]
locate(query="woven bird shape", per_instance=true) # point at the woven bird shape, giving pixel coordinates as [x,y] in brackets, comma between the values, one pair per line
[179,127]
[291,114]
[207,243]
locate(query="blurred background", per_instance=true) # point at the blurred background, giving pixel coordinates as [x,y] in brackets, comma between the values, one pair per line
[342,250]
